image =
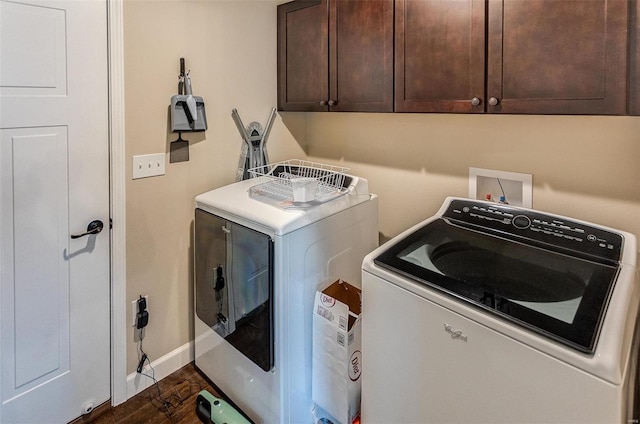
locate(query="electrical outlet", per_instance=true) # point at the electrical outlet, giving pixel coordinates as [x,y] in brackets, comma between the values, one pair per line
[134,309]
[148,165]
[517,187]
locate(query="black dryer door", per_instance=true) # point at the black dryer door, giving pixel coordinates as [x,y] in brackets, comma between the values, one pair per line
[234,285]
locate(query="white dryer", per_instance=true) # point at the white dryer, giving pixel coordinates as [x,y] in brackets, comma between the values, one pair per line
[487,313]
[258,265]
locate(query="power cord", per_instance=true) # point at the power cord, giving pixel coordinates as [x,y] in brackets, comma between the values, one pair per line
[175,399]
[143,357]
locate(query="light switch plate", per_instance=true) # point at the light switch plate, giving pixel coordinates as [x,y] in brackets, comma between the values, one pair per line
[148,165]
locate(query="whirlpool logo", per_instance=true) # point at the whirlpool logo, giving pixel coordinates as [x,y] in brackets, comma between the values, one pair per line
[455,334]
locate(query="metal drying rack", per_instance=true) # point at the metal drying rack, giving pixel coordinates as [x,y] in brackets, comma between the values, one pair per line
[274,182]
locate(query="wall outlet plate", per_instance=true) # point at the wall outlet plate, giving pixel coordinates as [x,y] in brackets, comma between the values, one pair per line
[148,165]
[517,187]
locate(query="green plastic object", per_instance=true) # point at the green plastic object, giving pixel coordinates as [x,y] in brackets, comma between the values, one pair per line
[212,410]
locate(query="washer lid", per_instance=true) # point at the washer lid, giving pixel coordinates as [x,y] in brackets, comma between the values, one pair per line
[561,296]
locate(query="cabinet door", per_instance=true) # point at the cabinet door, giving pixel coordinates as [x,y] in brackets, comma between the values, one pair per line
[634,59]
[303,55]
[361,55]
[557,57]
[439,55]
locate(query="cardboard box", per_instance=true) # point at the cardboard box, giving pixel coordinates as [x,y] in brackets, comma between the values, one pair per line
[337,351]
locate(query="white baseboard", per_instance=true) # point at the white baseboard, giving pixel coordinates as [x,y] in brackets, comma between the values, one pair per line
[162,367]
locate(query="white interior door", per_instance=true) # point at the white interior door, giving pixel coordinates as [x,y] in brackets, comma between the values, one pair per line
[54,167]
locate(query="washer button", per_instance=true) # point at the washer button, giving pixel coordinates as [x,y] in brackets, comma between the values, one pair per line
[522,222]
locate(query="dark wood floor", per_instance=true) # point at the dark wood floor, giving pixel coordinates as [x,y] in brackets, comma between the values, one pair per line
[173,401]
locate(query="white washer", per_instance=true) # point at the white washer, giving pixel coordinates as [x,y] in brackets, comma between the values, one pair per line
[487,313]
[271,260]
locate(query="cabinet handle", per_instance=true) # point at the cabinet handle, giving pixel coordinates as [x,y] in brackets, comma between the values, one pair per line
[493,101]
[323,102]
[333,102]
[475,101]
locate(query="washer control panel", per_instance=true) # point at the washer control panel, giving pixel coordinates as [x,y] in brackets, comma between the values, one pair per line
[538,226]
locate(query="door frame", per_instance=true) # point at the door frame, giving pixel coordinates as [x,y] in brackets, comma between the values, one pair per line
[117,177]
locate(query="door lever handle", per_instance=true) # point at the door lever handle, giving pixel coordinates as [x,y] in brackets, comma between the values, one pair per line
[94,227]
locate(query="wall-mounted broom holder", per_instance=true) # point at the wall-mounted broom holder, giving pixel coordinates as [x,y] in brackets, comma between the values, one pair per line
[187,111]
[187,115]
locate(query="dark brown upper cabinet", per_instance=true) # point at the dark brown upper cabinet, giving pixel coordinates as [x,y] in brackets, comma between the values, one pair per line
[439,56]
[634,58]
[511,56]
[335,55]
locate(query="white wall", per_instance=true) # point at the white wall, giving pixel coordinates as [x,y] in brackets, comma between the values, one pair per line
[586,167]
[230,47]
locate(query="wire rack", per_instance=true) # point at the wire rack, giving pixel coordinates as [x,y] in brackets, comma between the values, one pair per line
[274,181]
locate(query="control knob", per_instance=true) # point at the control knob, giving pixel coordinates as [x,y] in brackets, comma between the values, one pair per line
[521,222]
